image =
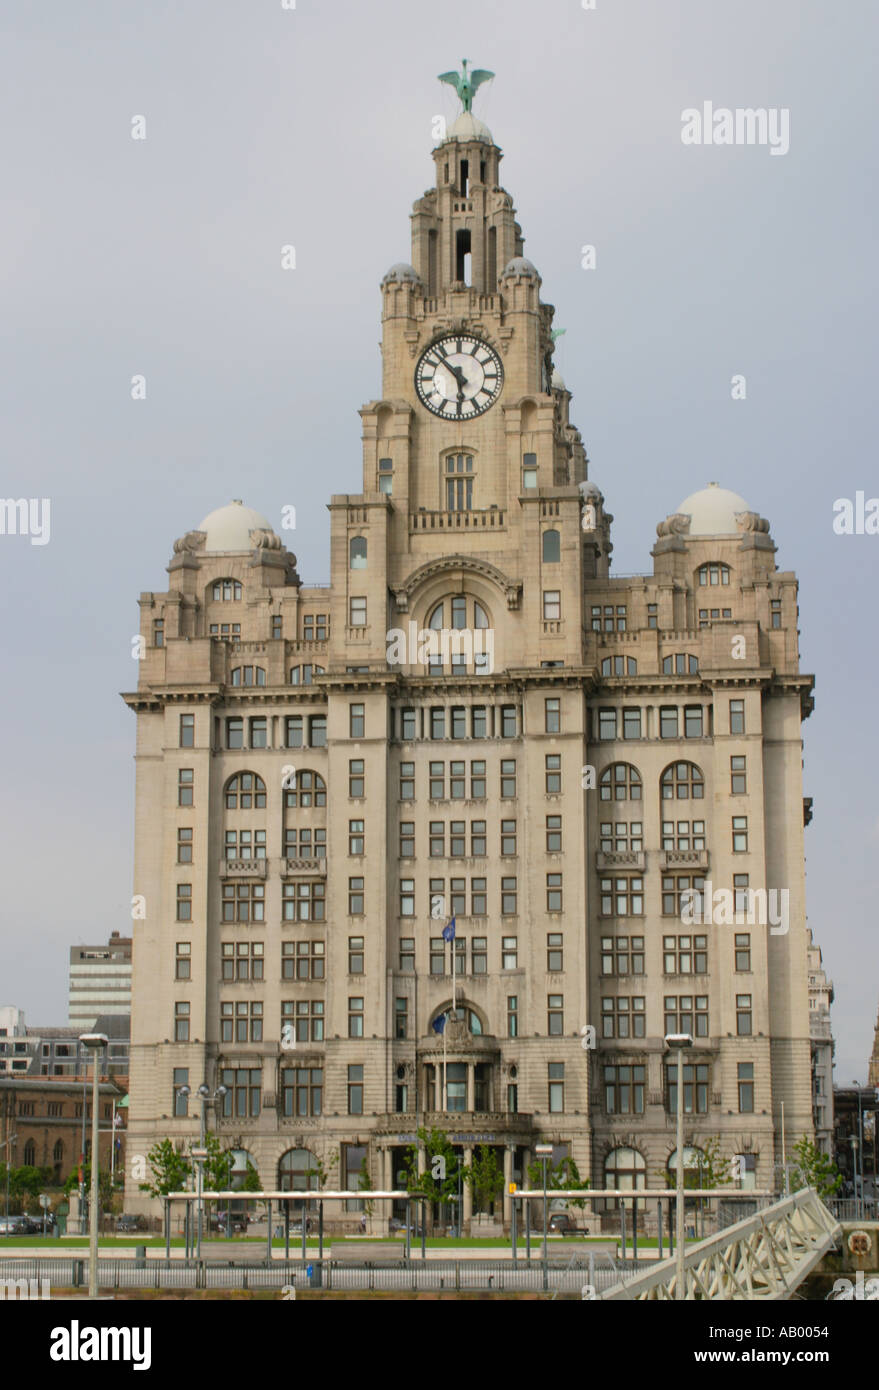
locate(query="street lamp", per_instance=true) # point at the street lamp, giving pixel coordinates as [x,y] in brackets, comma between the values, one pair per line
[201,1153]
[860,1150]
[94,1042]
[678,1043]
[544,1151]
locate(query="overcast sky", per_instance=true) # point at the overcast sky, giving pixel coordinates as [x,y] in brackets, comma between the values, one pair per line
[267,126]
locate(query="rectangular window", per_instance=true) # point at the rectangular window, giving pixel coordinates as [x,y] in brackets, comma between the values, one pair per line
[437,955]
[355,1089]
[553,892]
[674,887]
[556,1081]
[743,952]
[187,731]
[741,892]
[357,612]
[692,721]
[355,1018]
[509,721]
[401,1017]
[529,470]
[683,835]
[652,620]
[458,890]
[437,722]
[631,723]
[553,834]
[183,962]
[437,839]
[552,716]
[508,777]
[621,837]
[478,722]
[478,839]
[477,779]
[277,627]
[302,902]
[552,605]
[509,952]
[479,955]
[553,773]
[407,725]
[437,780]
[695,1088]
[242,960]
[407,839]
[184,845]
[623,1017]
[509,897]
[407,953]
[158,632]
[738,776]
[301,1091]
[624,1090]
[745,1077]
[457,781]
[302,960]
[184,902]
[181,1102]
[181,1021]
[668,721]
[775,611]
[185,781]
[293,731]
[317,731]
[554,952]
[355,837]
[458,727]
[478,897]
[622,897]
[739,834]
[743,1015]
[622,955]
[607,723]
[356,778]
[686,1013]
[737,716]
[512,1015]
[555,1015]
[407,897]
[355,897]
[356,721]
[685,955]
[234,733]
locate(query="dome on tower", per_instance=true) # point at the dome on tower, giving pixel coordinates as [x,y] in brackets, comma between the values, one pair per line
[521,268]
[589,492]
[713,511]
[228,528]
[402,274]
[467,127]
[558,381]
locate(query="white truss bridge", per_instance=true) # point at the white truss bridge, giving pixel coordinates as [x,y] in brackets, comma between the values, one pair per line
[763,1257]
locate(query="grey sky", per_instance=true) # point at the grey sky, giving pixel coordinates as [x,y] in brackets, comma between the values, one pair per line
[313,127]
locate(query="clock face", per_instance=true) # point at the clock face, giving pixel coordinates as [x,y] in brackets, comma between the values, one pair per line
[458,377]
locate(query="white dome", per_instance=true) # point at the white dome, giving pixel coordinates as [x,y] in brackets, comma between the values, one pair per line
[712,511]
[588,489]
[558,381]
[229,528]
[467,127]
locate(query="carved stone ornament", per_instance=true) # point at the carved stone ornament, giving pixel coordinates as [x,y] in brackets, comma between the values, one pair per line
[265,540]
[677,524]
[752,521]
[193,540]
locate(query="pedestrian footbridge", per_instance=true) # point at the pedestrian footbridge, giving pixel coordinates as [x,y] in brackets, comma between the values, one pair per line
[765,1256]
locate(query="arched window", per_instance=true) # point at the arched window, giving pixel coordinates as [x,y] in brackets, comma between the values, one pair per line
[357,553]
[682,782]
[245,792]
[241,1165]
[226,590]
[30,1154]
[304,675]
[297,1169]
[619,666]
[249,675]
[714,573]
[681,664]
[310,790]
[58,1151]
[625,1170]
[459,613]
[474,1022]
[552,547]
[620,782]
[695,1162]
[458,474]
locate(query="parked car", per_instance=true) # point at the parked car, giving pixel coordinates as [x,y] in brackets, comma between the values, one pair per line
[128,1224]
[13,1226]
[562,1223]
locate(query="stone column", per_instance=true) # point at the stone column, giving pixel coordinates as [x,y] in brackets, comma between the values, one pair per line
[471,1087]
[468,1190]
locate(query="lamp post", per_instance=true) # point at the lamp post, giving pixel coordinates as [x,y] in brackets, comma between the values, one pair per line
[860,1151]
[94,1042]
[201,1153]
[854,1143]
[544,1151]
[678,1043]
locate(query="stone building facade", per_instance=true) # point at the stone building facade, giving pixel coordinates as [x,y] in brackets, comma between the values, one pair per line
[319,790]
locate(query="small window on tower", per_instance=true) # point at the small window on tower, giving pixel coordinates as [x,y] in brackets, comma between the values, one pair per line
[465,176]
[529,471]
[357,550]
[385,480]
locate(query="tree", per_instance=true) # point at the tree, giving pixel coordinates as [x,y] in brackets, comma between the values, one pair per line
[486,1177]
[29,1181]
[439,1181]
[812,1168]
[252,1181]
[564,1175]
[365,1185]
[322,1171]
[170,1170]
[218,1165]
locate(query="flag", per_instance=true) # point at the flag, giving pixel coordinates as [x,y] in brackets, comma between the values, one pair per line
[439,1024]
[449,931]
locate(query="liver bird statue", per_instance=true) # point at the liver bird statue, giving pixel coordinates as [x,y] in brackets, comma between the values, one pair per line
[465,83]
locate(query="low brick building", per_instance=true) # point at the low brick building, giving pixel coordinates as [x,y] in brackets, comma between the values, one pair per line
[46,1118]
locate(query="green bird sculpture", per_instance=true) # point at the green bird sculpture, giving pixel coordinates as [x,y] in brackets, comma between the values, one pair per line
[465,83]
